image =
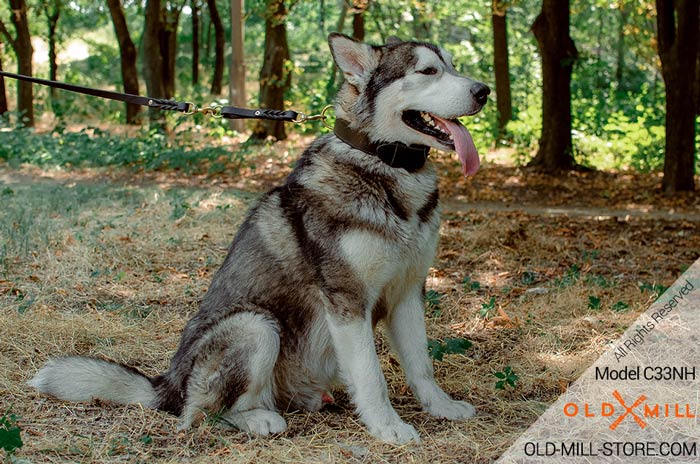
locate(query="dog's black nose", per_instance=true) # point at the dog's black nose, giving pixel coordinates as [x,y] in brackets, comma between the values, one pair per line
[480,92]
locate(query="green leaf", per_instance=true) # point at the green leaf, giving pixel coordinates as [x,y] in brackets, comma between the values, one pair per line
[436,350]
[470,285]
[593,302]
[456,345]
[432,301]
[620,307]
[529,277]
[10,438]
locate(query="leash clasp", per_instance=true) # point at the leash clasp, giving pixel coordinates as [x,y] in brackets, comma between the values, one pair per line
[214,110]
[301,118]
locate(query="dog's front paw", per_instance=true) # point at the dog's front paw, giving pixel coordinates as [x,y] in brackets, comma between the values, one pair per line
[451,409]
[257,421]
[396,433]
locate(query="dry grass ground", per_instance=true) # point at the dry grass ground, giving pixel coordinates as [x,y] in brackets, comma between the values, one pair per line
[115,268]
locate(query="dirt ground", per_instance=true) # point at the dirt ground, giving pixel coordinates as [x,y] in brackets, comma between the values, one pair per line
[540,274]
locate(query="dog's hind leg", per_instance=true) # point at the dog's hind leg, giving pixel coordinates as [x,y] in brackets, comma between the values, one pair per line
[234,371]
[406,333]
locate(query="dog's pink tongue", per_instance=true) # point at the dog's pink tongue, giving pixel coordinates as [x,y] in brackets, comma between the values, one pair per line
[464,146]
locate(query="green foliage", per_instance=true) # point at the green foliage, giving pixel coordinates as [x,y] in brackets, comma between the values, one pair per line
[593,302]
[488,308]
[620,307]
[599,281]
[93,147]
[655,288]
[529,277]
[432,302]
[10,434]
[507,377]
[437,349]
[470,285]
[572,275]
[617,96]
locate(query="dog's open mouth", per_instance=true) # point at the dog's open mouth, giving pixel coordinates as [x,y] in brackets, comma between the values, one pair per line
[448,132]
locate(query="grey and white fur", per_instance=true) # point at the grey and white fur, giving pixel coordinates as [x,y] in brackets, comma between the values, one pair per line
[344,243]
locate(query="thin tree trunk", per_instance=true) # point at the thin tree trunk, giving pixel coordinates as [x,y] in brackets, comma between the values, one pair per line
[342,16]
[3,94]
[237,72]
[551,29]
[358,19]
[678,35]
[330,86]
[620,65]
[22,46]
[168,46]
[322,17]
[500,65]
[275,78]
[195,42]
[207,41]
[153,60]
[127,51]
[52,16]
[219,45]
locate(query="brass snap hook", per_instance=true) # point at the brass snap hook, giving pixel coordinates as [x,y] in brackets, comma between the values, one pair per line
[302,117]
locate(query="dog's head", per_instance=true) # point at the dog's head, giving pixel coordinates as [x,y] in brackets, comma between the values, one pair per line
[407,92]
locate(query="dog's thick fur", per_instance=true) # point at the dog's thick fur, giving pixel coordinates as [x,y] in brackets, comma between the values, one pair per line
[345,242]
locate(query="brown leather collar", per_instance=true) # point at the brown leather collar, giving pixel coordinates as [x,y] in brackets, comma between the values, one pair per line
[395,154]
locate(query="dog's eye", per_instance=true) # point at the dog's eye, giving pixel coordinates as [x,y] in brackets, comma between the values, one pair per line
[428,71]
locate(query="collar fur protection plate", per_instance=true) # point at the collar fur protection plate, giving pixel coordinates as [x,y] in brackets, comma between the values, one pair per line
[395,154]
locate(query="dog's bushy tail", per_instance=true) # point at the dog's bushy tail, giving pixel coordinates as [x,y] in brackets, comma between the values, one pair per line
[82,379]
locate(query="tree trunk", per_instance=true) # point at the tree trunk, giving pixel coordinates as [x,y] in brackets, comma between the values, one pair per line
[678,36]
[421,26]
[322,17]
[127,51]
[195,42]
[331,84]
[620,67]
[170,17]
[52,22]
[153,60]
[237,73]
[3,94]
[358,19]
[341,17]
[500,66]
[551,29]
[22,46]
[275,77]
[219,45]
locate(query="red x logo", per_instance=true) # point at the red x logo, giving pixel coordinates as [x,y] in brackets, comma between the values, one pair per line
[628,410]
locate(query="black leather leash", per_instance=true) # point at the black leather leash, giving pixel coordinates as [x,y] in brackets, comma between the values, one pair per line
[395,154]
[216,111]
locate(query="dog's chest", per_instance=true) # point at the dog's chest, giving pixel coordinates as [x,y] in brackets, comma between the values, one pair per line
[403,253]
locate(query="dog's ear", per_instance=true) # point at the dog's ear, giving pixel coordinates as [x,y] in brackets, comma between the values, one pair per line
[393,40]
[356,59]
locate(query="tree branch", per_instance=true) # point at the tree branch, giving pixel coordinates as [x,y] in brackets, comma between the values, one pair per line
[7,35]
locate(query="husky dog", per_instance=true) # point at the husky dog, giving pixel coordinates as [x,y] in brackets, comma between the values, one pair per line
[344,243]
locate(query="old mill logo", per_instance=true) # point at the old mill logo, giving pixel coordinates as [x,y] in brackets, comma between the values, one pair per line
[638,411]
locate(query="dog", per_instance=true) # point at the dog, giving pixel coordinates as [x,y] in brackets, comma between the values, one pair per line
[344,243]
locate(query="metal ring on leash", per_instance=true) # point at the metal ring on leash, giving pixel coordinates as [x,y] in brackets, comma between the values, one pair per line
[302,118]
